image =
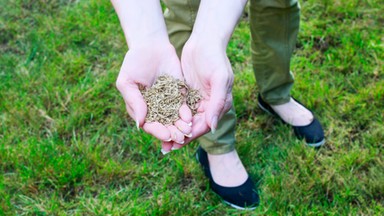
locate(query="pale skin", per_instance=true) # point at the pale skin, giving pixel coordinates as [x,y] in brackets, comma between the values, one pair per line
[150,55]
[204,65]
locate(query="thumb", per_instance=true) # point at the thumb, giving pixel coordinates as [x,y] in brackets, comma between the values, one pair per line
[136,106]
[216,103]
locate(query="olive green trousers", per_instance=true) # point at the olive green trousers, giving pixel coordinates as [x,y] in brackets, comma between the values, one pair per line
[274,26]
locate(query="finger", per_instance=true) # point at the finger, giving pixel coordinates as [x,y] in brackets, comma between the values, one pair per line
[184,128]
[216,103]
[166,147]
[199,127]
[176,146]
[228,104]
[202,106]
[176,135]
[185,113]
[157,130]
[136,106]
[130,111]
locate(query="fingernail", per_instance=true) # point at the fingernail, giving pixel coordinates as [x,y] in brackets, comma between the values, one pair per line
[168,140]
[181,142]
[190,124]
[137,124]
[214,124]
[188,135]
[174,149]
[164,152]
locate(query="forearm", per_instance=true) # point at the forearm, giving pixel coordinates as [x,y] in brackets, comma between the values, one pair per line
[142,21]
[218,19]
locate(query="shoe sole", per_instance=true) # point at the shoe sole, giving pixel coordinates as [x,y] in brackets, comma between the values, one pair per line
[238,207]
[318,144]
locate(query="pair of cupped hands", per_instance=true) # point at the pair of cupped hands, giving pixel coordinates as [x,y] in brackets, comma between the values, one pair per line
[203,66]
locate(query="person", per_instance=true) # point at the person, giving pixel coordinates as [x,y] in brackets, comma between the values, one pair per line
[190,44]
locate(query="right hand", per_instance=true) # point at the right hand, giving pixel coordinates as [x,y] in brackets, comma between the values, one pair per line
[206,67]
[141,67]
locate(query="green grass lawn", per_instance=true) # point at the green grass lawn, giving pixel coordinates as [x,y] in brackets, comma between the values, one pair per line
[68,147]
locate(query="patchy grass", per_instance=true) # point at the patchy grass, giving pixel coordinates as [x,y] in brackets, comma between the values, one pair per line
[67,146]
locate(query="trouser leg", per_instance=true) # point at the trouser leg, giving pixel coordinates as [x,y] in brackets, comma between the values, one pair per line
[274,27]
[180,16]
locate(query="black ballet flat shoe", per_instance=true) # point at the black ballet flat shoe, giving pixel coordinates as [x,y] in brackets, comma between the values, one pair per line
[312,133]
[243,197]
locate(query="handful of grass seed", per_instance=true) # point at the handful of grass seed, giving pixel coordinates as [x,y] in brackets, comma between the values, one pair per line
[165,98]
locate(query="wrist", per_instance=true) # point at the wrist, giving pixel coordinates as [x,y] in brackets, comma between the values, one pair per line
[208,42]
[141,21]
[153,49]
[217,19]
[211,35]
[148,41]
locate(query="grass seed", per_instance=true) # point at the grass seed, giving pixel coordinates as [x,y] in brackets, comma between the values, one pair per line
[165,98]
